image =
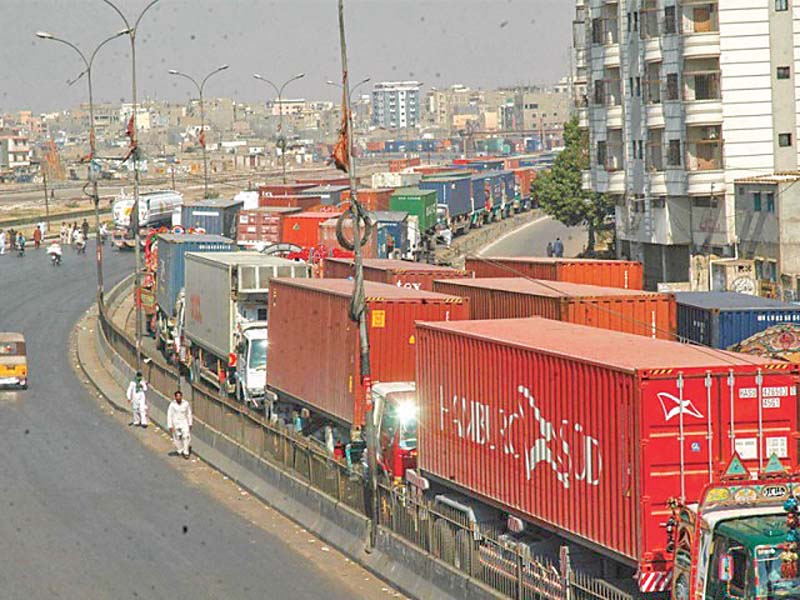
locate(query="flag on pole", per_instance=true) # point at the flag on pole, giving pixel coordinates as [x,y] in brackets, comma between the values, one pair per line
[203,139]
[130,132]
[341,152]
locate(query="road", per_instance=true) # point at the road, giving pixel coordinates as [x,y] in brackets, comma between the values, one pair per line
[531,239]
[88,510]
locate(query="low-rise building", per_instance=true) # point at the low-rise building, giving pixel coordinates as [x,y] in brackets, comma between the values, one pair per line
[15,152]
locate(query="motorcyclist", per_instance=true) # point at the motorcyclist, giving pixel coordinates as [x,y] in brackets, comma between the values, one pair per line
[55,252]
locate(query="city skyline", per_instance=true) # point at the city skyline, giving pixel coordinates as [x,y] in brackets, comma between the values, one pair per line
[197,36]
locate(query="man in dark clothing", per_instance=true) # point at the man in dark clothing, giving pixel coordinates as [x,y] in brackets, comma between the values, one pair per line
[558,248]
[85,230]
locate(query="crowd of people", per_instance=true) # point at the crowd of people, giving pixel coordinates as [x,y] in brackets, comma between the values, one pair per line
[69,235]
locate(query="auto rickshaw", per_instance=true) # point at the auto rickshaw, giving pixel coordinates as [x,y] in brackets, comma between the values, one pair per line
[13,361]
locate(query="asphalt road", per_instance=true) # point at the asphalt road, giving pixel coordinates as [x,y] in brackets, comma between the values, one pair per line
[531,239]
[87,511]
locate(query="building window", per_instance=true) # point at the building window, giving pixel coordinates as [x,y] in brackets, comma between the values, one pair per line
[638,86]
[781,5]
[597,30]
[599,92]
[601,154]
[784,72]
[669,20]
[757,201]
[674,153]
[784,140]
[770,202]
[641,149]
[672,86]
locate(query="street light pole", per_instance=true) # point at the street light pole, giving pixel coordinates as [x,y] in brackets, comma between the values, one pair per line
[135,156]
[281,137]
[200,86]
[88,64]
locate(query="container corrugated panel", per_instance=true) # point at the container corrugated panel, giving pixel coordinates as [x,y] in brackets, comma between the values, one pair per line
[283,189]
[313,345]
[375,199]
[577,428]
[417,203]
[629,311]
[215,216]
[304,201]
[455,192]
[171,259]
[400,273]
[263,225]
[328,239]
[724,319]
[302,229]
[330,195]
[610,273]
[391,232]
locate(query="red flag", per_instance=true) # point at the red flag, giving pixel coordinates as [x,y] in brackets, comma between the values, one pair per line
[203,139]
[341,152]
[129,131]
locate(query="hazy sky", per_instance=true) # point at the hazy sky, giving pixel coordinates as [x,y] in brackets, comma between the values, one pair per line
[439,42]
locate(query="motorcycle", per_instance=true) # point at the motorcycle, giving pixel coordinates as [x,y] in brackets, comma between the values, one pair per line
[55,253]
[21,249]
[80,247]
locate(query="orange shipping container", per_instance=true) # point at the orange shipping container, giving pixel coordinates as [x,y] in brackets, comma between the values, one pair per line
[313,352]
[402,273]
[628,311]
[373,199]
[302,229]
[611,273]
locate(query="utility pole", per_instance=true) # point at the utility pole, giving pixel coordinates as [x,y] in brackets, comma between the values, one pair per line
[281,137]
[135,157]
[46,197]
[92,176]
[200,87]
[358,311]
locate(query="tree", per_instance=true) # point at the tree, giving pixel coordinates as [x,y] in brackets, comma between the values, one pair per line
[560,191]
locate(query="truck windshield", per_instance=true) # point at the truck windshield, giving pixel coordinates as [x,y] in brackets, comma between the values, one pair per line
[258,355]
[771,584]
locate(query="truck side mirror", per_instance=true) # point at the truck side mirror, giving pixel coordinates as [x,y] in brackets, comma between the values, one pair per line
[725,568]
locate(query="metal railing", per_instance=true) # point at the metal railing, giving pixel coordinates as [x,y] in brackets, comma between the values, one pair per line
[443,532]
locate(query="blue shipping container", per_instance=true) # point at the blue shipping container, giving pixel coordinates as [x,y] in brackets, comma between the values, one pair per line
[479,193]
[510,184]
[215,215]
[724,319]
[455,192]
[171,260]
[392,229]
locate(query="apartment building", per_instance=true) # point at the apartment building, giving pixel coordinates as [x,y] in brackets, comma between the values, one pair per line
[396,104]
[683,98]
[15,152]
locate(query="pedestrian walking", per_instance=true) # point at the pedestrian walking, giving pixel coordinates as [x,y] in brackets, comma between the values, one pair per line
[179,423]
[37,237]
[2,242]
[137,396]
[63,233]
[549,249]
[85,229]
[558,248]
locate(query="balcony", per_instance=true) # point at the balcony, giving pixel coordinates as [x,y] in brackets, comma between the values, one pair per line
[652,50]
[614,117]
[700,44]
[611,55]
[654,115]
[702,112]
[658,183]
[616,182]
[704,182]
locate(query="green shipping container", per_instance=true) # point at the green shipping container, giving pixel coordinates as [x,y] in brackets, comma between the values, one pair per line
[417,203]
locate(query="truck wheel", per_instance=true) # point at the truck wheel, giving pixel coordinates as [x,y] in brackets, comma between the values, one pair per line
[443,543]
[466,553]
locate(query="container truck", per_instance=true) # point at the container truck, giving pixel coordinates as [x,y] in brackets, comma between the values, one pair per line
[725,319]
[262,227]
[215,216]
[172,249]
[454,201]
[401,273]
[631,311]
[391,234]
[227,317]
[536,424]
[313,352]
[610,273]
[155,208]
[421,208]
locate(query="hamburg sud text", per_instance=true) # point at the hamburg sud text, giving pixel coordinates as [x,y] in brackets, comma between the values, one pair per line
[564,446]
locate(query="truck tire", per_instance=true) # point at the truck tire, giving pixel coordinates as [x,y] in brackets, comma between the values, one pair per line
[368,227]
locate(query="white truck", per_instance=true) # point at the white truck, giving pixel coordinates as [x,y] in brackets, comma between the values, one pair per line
[226,317]
[155,208]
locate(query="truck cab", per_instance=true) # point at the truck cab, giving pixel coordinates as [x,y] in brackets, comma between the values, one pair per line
[730,545]
[396,411]
[251,364]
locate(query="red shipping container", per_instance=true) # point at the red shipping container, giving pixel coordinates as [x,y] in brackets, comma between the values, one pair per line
[524,178]
[625,274]
[578,429]
[282,189]
[299,201]
[402,273]
[375,146]
[373,199]
[313,346]
[327,237]
[302,229]
[262,225]
[629,311]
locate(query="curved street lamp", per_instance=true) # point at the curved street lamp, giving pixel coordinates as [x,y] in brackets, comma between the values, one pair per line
[88,63]
[132,30]
[200,86]
[279,92]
